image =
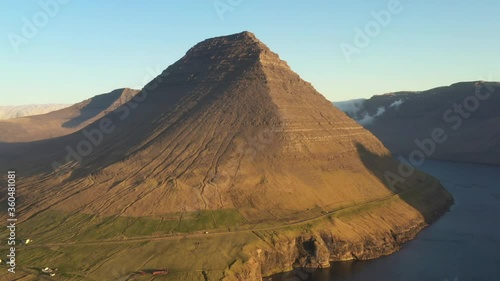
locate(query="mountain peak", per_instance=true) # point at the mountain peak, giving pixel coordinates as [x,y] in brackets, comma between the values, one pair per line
[218,56]
[228,119]
[243,45]
[244,35]
[241,37]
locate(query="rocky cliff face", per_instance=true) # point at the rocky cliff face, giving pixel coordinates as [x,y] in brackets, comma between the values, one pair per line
[382,232]
[300,256]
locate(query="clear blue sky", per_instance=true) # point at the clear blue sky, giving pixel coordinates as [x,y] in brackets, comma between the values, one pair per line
[91,47]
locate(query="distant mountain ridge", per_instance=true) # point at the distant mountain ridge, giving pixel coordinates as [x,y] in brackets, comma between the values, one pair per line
[10,112]
[63,121]
[467,112]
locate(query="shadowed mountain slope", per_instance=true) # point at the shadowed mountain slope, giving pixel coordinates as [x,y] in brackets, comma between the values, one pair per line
[63,121]
[467,113]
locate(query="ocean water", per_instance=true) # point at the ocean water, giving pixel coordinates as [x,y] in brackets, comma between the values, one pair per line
[463,245]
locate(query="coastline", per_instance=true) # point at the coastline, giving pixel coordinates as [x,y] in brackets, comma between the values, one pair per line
[343,238]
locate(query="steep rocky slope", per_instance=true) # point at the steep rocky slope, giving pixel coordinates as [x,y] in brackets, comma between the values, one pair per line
[63,121]
[227,166]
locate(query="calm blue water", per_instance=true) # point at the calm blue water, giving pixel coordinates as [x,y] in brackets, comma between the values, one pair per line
[463,245]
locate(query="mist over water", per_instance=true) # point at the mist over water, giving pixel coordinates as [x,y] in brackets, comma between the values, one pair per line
[463,245]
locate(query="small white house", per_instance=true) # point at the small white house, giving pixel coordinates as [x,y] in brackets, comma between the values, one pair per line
[49,271]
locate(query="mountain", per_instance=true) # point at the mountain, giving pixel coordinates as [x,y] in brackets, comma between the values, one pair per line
[63,121]
[466,114]
[227,166]
[9,112]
